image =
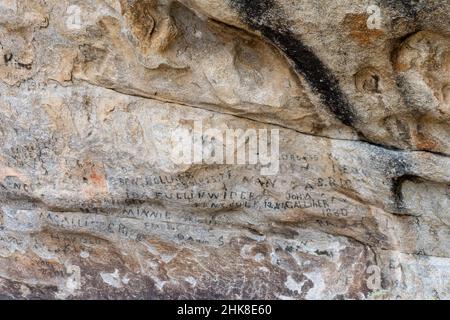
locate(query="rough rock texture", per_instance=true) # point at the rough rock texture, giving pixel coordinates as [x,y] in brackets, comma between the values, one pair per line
[93,205]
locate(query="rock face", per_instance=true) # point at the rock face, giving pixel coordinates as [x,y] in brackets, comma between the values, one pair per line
[337,185]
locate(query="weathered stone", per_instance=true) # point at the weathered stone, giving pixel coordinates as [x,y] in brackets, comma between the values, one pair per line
[94,202]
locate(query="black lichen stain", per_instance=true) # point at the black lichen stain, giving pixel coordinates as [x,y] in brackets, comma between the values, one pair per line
[265,16]
[402,171]
[396,167]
